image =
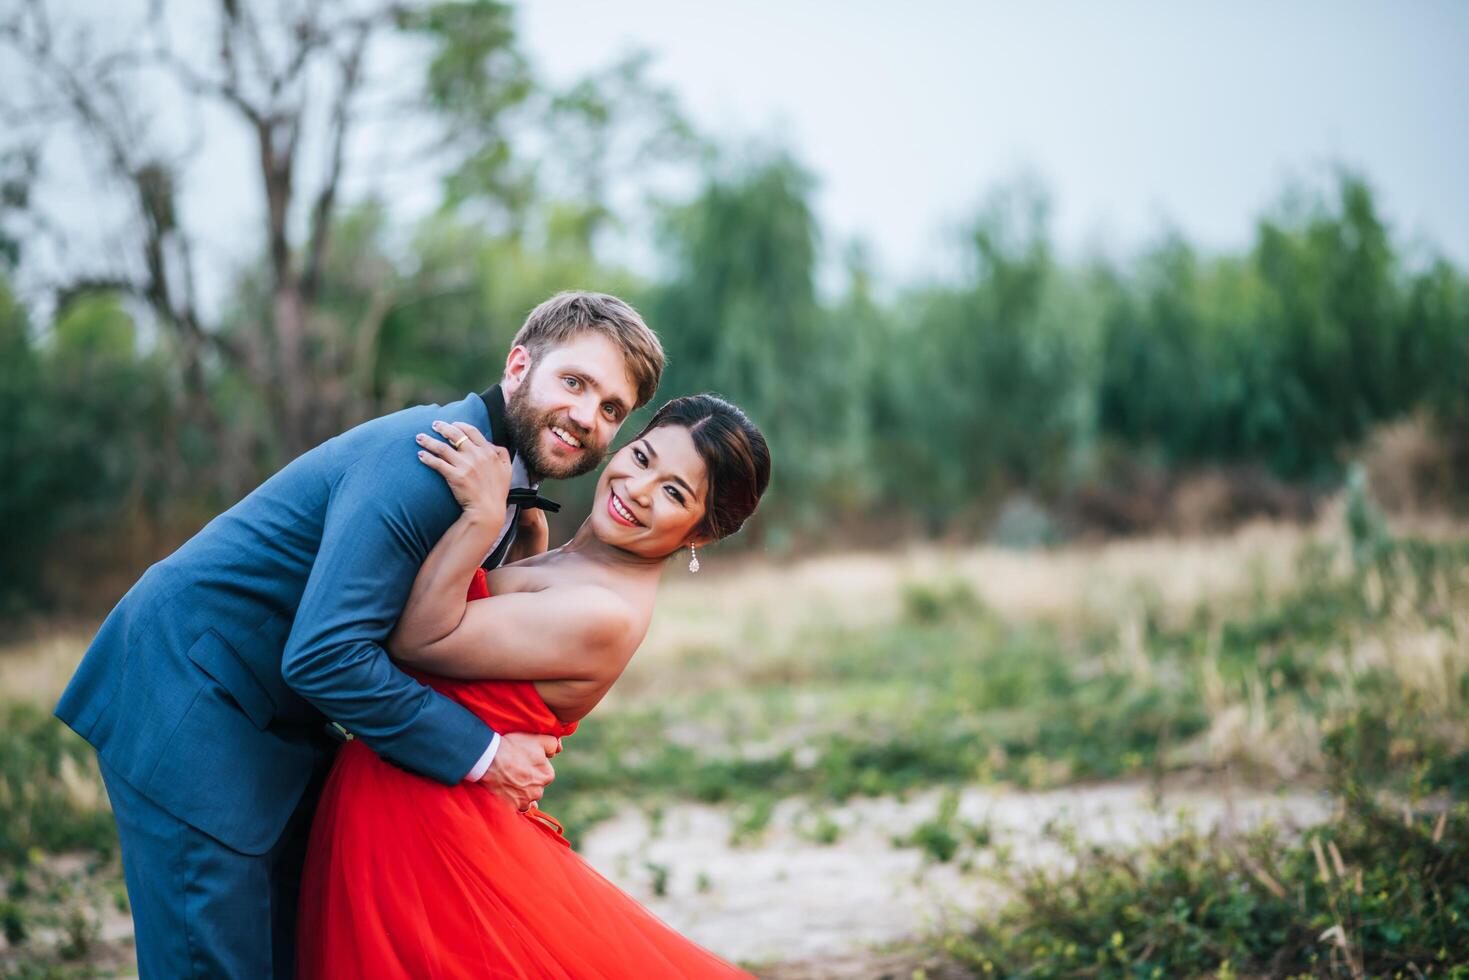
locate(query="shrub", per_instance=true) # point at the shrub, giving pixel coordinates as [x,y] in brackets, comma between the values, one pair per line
[48,782]
[1382,890]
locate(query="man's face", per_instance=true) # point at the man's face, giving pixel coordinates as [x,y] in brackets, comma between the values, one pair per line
[564,409]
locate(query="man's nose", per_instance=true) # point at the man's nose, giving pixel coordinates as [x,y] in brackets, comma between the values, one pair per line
[584,413]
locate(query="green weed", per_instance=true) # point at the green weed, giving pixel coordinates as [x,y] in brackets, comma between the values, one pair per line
[943,835]
[1375,892]
[49,788]
[750,821]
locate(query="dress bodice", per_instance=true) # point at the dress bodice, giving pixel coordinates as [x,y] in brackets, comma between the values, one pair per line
[407,877]
[506,706]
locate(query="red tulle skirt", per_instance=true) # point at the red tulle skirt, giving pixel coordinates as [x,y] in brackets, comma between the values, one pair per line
[408,878]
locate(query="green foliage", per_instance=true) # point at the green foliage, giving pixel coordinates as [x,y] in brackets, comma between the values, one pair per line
[82,408]
[751,819]
[989,383]
[456,316]
[927,602]
[941,837]
[659,874]
[27,499]
[928,407]
[949,693]
[1286,356]
[1378,891]
[477,77]
[43,768]
[1366,525]
[738,315]
[817,826]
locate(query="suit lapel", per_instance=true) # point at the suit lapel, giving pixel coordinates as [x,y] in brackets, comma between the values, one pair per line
[494,400]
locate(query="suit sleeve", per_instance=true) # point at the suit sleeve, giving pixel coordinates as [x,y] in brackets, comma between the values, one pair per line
[381,520]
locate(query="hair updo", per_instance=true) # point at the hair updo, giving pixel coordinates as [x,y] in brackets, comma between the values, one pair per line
[734,452]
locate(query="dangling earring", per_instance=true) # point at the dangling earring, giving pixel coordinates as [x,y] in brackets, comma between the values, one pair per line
[693,559]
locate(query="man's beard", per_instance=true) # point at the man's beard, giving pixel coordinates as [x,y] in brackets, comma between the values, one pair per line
[526,423]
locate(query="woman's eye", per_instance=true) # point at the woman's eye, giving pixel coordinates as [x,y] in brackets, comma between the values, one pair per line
[674,494]
[637,454]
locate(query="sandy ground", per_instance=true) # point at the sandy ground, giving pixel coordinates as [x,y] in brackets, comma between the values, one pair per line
[790,899]
[793,909]
[809,910]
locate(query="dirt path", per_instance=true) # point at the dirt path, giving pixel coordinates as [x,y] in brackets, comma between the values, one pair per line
[796,909]
[794,903]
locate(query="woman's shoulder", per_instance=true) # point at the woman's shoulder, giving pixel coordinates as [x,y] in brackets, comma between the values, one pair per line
[602,622]
[600,613]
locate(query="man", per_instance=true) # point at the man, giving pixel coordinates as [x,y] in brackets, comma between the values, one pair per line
[207,691]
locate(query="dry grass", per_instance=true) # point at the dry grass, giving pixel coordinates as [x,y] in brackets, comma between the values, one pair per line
[740,625]
[38,668]
[807,686]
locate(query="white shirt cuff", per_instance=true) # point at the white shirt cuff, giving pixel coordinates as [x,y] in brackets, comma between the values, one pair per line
[483,765]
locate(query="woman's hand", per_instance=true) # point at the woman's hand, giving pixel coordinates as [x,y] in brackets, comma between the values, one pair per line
[477,470]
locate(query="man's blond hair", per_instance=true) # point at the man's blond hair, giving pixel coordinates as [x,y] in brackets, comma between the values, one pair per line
[568,315]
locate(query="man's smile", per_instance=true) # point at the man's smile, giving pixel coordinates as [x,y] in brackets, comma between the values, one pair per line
[566,438]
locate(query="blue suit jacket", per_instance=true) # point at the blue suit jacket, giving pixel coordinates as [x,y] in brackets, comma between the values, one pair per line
[209,686]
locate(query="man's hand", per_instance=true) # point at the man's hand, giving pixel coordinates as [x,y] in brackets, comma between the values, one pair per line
[532,536]
[520,771]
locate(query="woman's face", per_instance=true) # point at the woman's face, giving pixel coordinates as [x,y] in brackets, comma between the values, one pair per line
[652,494]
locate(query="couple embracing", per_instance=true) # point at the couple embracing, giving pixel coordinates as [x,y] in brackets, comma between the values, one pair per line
[393,587]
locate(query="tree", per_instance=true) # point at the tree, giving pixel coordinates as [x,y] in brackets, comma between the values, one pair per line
[998,368]
[290,83]
[739,316]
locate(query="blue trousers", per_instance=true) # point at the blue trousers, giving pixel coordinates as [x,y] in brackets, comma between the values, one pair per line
[199,908]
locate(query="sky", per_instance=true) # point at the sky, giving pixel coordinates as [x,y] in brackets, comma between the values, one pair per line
[1138,118]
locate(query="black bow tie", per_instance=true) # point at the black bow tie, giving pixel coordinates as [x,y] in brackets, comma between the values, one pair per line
[528,499]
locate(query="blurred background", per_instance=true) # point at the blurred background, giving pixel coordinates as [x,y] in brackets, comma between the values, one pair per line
[1115,360]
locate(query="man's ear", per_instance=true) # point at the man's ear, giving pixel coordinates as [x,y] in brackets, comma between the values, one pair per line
[517,368]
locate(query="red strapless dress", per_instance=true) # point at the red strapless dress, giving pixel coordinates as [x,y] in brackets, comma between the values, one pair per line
[408,878]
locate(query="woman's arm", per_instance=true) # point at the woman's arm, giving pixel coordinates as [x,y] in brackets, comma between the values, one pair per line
[574,633]
[437,602]
[478,474]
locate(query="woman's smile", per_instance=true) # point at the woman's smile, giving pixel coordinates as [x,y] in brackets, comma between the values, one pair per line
[619,510]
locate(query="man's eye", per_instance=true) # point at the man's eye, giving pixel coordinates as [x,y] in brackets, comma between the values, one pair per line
[611,411]
[573,383]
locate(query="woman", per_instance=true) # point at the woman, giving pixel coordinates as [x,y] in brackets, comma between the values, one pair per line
[406,877]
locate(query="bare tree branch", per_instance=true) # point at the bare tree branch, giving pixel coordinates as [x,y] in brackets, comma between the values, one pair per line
[322,211]
[94,96]
[296,75]
[194,81]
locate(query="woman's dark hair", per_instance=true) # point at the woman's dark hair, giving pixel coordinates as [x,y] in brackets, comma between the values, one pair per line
[733,450]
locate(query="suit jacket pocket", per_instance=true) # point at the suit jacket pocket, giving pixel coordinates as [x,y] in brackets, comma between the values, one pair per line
[219,660]
[223,775]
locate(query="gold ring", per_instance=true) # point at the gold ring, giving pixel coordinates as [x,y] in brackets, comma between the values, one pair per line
[462,440]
